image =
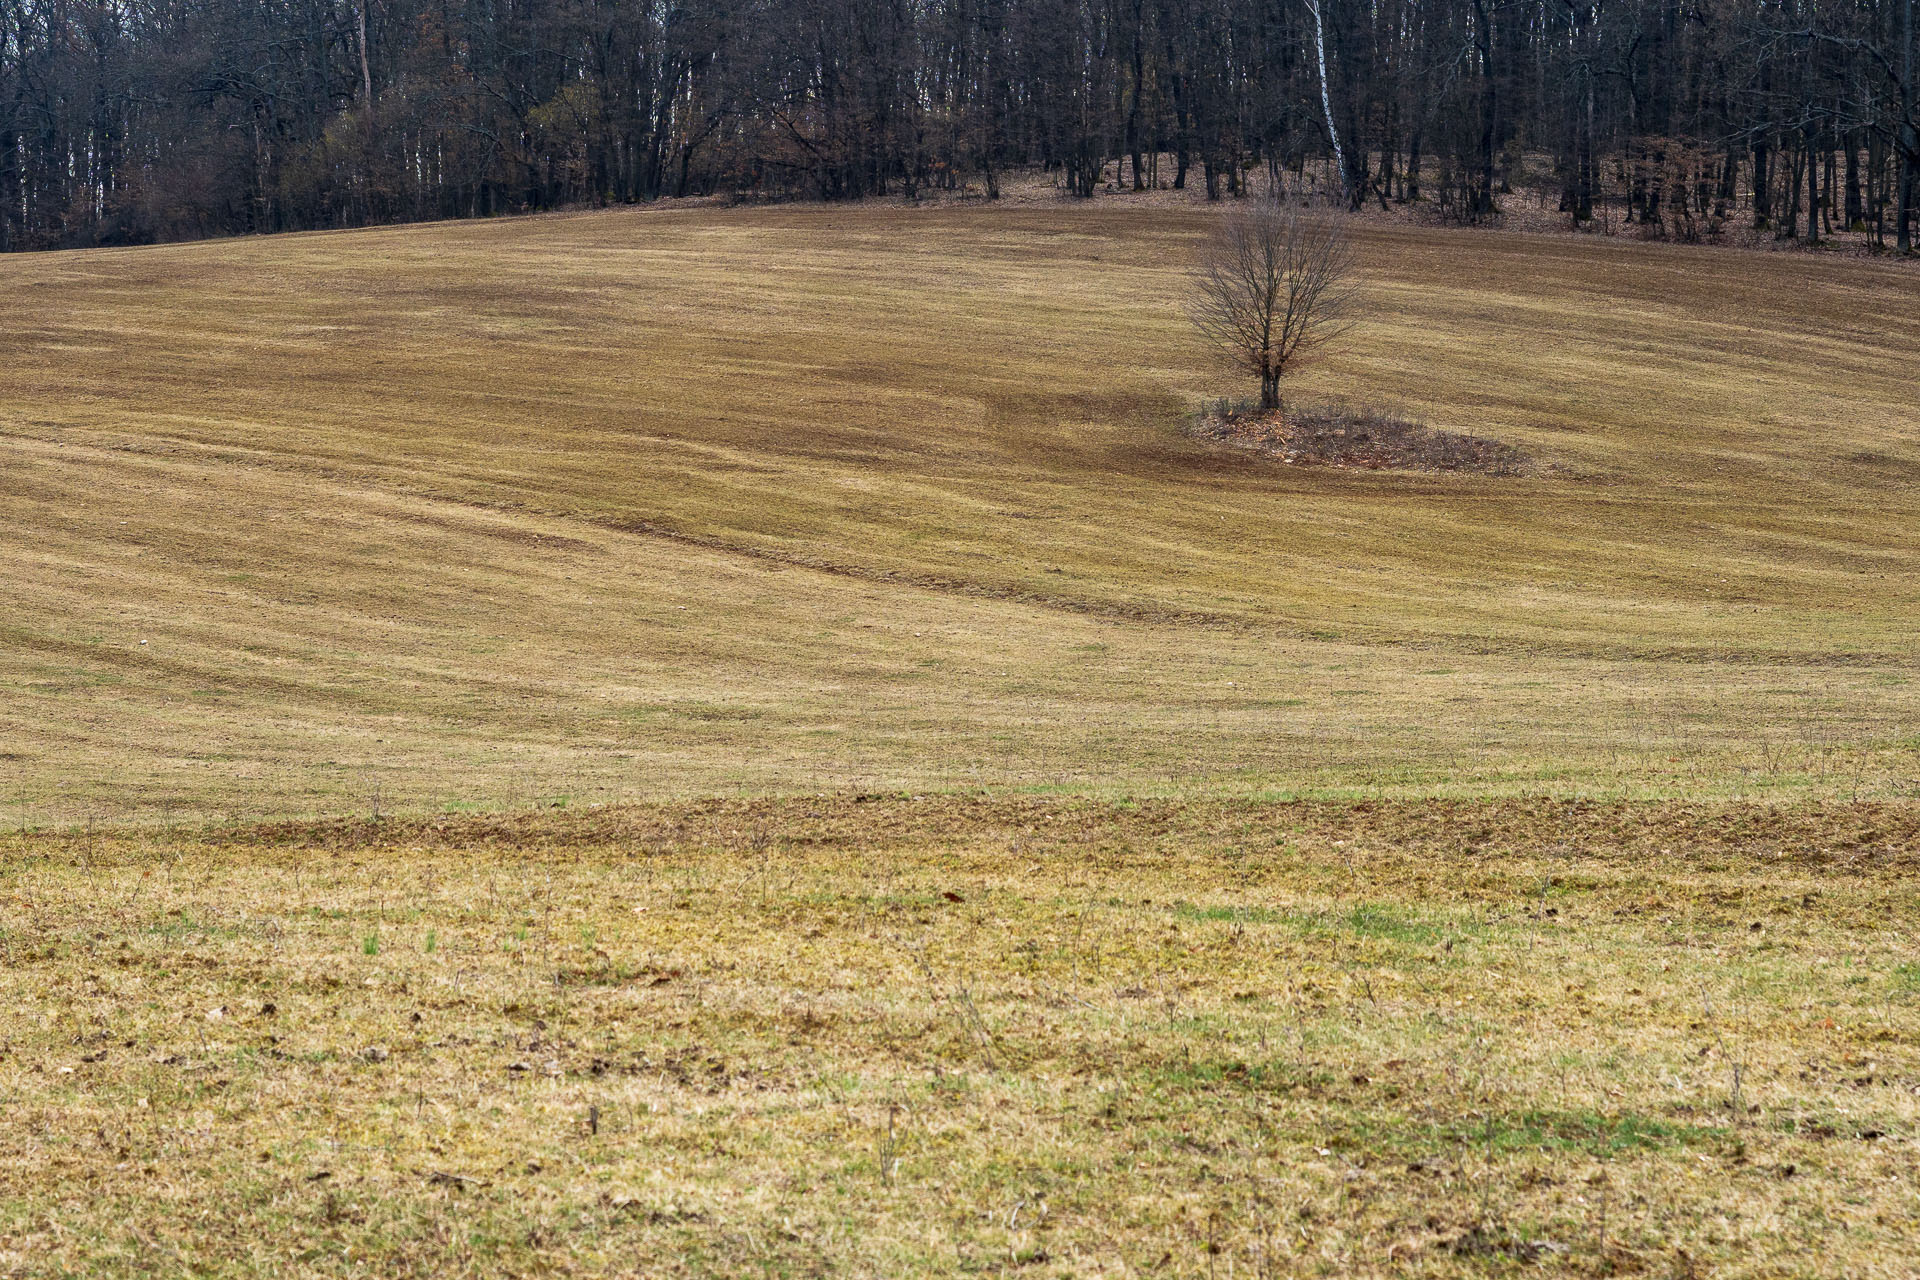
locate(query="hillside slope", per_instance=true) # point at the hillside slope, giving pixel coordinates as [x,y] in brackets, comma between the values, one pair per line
[655,503]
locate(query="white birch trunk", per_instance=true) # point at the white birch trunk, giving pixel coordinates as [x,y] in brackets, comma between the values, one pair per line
[1326,97]
[366,66]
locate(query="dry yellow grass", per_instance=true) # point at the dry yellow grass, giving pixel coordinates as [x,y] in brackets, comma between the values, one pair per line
[623,505]
[1042,1037]
[591,508]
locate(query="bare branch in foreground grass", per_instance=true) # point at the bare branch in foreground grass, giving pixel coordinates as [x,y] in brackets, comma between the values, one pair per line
[1271,286]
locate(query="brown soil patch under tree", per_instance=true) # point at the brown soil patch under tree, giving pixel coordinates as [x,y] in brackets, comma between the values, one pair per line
[1341,436]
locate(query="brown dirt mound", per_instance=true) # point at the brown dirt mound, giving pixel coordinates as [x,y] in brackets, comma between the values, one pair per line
[1337,436]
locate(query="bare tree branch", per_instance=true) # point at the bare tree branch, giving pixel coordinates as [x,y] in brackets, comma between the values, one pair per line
[1272,286]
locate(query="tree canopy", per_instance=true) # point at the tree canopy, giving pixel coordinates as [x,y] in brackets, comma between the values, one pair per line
[132,120]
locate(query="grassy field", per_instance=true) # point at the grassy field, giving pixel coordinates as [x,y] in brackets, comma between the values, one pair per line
[941,818]
[642,505]
[1030,1036]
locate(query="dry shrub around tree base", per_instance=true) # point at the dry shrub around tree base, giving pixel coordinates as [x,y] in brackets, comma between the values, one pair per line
[1344,436]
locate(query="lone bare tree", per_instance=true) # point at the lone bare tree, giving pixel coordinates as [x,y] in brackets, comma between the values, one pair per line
[1271,285]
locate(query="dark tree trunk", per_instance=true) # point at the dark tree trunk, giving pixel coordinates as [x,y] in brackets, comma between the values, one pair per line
[1909,135]
[1813,191]
[1489,111]
[1856,204]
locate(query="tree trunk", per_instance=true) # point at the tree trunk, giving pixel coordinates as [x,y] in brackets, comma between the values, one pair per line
[1326,96]
[1483,198]
[1182,124]
[1813,191]
[9,186]
[366,65]
[1133,106]
[1903,224]
[1909,137]
[1856,205]
[1269,392]
[1790,228]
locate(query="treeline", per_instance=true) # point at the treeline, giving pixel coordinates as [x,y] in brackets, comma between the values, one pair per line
[138,120]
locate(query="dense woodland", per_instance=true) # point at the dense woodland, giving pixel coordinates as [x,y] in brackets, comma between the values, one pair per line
[137,120]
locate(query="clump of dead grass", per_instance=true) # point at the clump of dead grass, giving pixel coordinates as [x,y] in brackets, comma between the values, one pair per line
[1338,435]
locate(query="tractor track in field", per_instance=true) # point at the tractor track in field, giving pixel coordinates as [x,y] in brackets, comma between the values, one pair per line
[1880,836]
[1143,613]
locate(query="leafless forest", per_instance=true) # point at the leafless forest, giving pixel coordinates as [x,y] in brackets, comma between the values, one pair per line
[127,121]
